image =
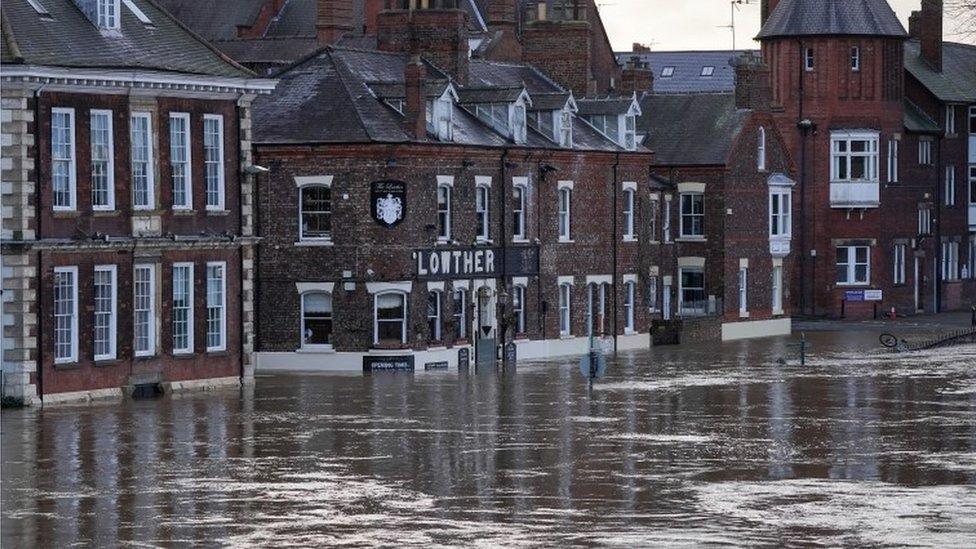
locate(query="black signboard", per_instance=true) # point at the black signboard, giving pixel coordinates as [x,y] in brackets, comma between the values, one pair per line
[436,365]
[450,263]
[388,363]
[464,357]
[388,202]
[510,356]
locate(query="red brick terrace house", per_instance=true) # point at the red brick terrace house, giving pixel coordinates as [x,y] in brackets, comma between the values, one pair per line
[127,226]
[420,211]
[730,198]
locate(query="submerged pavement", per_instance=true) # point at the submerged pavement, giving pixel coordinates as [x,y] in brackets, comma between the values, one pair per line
[699,445]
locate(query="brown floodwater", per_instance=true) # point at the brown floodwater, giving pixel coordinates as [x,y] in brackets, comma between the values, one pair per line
[701,446]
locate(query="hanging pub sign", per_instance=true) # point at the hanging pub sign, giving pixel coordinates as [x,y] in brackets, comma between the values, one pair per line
[388,202]
[452,263]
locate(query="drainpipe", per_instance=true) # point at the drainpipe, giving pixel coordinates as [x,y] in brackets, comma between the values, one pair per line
[938,226]
[240,229]
[613,281]
[37,236]
[502,200]
[803,193]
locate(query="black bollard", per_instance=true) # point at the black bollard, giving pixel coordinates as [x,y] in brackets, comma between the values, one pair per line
[973,320]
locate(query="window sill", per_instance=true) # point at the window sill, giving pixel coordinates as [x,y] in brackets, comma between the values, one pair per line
[441,241]
[183,212]
[217,352]
[483,241]
[439,347]
[566,241]
[145,211]
[316,349]
[778,312]
[743,314]
[566,336]
[520,240]
[629,332]
[390,347]
[107,361]
[67,365]
[183,355]
[853,285]
[218,213]
[628,238]
[461,342]
[691,239]
[105,213]
[314,243]
[138,358]
[66,213]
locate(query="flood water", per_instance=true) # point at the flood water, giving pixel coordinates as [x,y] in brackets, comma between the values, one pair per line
[712,445]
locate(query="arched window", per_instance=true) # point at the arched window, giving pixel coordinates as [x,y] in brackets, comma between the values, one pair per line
[316,212]
[316,319]
[761,154]
[390,318]
[434,315]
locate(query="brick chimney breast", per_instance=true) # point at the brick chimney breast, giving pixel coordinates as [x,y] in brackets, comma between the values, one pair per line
[333,19]
[766,9]
[439,34]
[415,104]
[926,27]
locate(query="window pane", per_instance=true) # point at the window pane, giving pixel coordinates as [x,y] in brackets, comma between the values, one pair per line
[316,212]
[317,319]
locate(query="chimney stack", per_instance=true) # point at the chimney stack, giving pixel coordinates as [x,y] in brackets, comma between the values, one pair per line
[636,77]
[753,83]
[439,33]
[926,27]
[503,19]
[765,10]
[333,19]
[415,106]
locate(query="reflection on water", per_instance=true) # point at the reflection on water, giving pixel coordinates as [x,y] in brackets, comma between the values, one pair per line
[676,447]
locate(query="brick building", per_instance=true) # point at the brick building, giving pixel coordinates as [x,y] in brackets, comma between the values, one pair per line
[874,227]
[127,223]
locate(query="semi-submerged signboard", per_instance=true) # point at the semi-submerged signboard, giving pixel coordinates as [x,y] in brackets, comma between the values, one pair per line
[449,263]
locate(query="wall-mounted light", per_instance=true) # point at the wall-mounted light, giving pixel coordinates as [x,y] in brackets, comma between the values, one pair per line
[254,169]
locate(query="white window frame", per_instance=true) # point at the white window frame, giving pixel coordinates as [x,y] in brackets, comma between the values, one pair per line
[483,211]
[893,160]
[150,203]
[444,215]
[924,152]
[809,59]
[301,305]
[565,197]
[220,182]
[151,310]
[187,162]
[630,296]
[899,254]
[652,293]
[950,261]
[302,187]
[109,14]
[72,181]
[110,160]
[629,206]
[666,222]
[777,290]
[112,312]
[950,124]
[565,118]
[565,303]
[707,70]
[403,321]
[628,127]
[850,261]
[438,333]
[950,185]
[188,349]
[667,72]
[519,191]
[856,58]
[460,314]
[924,221]
[72,317]
[682,310]
[761,152]
[681,228]
[518,307]
[780,221]
[222,318]
[743,291]
[847,156]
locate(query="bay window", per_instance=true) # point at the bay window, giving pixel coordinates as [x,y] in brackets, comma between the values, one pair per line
[780,221]
[854,157]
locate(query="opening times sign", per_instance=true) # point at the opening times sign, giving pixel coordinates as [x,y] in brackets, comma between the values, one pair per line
[452,263]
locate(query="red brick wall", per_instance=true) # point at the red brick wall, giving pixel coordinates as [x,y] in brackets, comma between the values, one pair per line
[86,374]
[362,246]
[562,50]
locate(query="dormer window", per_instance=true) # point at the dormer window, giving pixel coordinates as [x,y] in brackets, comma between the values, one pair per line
[108,14]
[630,132]
[566,129]
[518,123]
[440,117]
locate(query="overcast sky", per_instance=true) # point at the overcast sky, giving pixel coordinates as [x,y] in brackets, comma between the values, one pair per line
[697,24]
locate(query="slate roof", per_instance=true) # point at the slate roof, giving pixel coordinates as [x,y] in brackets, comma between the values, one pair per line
[334,96]
[490,95]
[917,121]
[688,65]
[69,39]
[604,106]
[957,81]
[832,17]
[694,129]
